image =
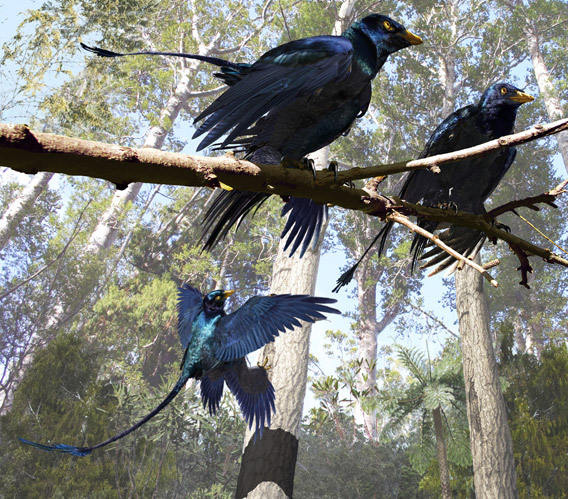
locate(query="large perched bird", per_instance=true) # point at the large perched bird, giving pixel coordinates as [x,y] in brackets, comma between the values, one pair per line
[464,184]
[295,99]
[215,348]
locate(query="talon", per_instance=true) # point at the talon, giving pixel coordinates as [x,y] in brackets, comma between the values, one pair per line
[450,205]
[501,226]
[333,167]
[308,164]
[265,364]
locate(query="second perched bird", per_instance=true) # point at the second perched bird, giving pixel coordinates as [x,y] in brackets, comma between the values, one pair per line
[295,99]
[464,184]
[215,348]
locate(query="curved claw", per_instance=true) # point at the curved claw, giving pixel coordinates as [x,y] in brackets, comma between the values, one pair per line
[333,167]
[501,226]
[450,205]
[265,364]
[308,164]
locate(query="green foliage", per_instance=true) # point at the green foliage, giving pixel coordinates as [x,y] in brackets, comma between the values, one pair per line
[333,466]
[537,398]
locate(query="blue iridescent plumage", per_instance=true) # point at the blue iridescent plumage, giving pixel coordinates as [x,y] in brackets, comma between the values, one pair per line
[322,85]
[294,100]
[464,184]
[215,348]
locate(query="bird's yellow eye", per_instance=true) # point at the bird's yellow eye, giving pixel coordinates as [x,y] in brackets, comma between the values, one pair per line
[503,90]
[388,25]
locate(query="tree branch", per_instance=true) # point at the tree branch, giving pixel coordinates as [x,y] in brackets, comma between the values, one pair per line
[28,151]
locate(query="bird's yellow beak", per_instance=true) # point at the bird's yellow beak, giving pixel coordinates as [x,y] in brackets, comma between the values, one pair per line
[411,38]
[226,294]
[521,97]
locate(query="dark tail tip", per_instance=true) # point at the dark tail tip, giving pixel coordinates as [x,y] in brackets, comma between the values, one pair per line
[345,278]
[100,52]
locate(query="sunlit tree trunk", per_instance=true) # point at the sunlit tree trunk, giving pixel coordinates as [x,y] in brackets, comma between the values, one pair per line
[367,344]
[17,209]
[106,231]
[268,465]
[490,437]
[546,87]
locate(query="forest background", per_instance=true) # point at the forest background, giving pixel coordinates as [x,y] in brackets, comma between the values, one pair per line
[89,277]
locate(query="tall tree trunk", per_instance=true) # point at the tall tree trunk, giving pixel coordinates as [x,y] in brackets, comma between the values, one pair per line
[547,93]
[367,332]
[491,445]
[441,454]
[269,464]
[15,212]
[106,231]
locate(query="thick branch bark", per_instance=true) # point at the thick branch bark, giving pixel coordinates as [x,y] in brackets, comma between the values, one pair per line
[28,151]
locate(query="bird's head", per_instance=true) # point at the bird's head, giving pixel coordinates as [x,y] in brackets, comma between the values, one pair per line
[504,95]
[215,301]
[387,34]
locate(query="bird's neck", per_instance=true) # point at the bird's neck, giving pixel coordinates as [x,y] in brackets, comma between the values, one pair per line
[498,120]
[366,53]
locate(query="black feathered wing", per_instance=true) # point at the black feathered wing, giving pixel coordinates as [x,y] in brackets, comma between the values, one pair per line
[464,240]
[277,79]
[254,393]
[423,184]
[262,318]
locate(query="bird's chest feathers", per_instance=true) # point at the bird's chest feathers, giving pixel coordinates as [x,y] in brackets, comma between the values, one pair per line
[203,334]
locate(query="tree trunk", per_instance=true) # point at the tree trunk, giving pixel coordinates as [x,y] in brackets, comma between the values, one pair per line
[269,464]
[547,93]
[441,454]
[106,231]
[490,437]
[367,349]
[18,208]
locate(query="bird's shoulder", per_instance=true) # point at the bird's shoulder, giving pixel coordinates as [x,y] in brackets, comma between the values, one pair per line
[306,51]
[452,133]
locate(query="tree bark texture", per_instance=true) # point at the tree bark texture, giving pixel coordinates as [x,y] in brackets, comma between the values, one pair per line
[269,463]
[367,332]
[490,437]
[18,208]
[547,93]
[441,454]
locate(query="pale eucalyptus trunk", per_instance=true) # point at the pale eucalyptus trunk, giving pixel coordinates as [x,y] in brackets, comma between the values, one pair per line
[17,209]
[268,465]
[490,438]
[12,216]
[546,87]
[106,231]
[367,331]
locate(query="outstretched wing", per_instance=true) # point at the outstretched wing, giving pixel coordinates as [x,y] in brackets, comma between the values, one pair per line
[262,318]
[254,393]
[282,75]
[189,305]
